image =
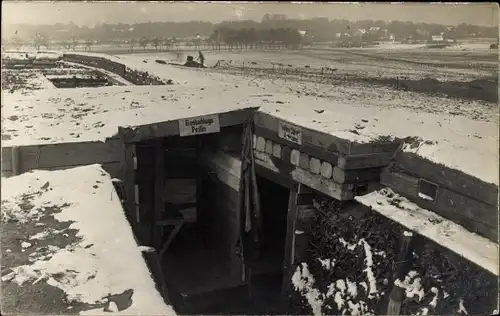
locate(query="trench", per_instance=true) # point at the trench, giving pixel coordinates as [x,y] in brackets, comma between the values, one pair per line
[200,267]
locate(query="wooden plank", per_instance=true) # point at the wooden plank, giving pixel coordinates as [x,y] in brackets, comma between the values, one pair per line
[70,154]
[475,216]
[289,242]
[349,176]
[170,128]
[159,206]
[363,161]
[454,180]
[16,161]
[470,246]
[282,169]
[6,158]
[128,177]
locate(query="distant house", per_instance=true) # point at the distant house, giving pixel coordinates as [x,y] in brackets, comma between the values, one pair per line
[359,32]
[437,38]
[302,33]
[338,35]
[374,28]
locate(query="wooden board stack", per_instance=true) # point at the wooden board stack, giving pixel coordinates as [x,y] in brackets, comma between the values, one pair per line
[453,194]
[334,166]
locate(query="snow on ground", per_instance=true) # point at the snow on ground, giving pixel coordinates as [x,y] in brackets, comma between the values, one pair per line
[95,264]
[454,141]
[94,114]
[455,133]
[440,230]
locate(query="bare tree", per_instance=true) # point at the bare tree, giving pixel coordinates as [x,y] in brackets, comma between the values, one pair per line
[74,43]
[133,44]
[144,42]
[156,43]
[66,44]
[88,45]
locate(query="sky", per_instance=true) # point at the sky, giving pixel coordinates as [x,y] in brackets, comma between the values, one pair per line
[92,13]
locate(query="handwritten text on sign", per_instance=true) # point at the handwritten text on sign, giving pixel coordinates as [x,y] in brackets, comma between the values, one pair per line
[199,125]
[290,132]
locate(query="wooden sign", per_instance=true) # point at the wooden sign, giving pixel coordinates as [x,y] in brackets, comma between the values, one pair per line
[199,125]
[290,132]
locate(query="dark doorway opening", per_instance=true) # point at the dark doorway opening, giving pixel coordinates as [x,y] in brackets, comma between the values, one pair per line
[266,272]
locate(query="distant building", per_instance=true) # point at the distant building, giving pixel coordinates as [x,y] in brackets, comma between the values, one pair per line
[302,33]
[437,38]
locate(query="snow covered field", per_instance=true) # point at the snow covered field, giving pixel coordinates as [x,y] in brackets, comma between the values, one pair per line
[56,240]
[456,133]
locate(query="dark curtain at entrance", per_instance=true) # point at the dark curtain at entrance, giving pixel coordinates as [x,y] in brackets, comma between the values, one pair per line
[249,218]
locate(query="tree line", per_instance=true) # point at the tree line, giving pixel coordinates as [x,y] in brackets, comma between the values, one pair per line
[321,29]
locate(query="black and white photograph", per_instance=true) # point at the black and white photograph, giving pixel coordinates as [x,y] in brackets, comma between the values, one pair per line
[249,158]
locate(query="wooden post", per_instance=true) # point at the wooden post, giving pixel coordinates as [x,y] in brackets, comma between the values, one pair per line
[403,265]
[128,175]
[16,161]
[289,242]
[159,184]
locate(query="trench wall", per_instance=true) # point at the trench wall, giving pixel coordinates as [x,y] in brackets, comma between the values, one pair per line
[17,160]
[134,76]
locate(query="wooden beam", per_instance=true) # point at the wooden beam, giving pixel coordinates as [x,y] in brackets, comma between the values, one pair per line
[403,265]
[289,242]
[454,180]
[16,161]
[363,161]
[128,177]
[71,154]
[159,177]
[171,128]
[475,216]
[283,169]
[360,175]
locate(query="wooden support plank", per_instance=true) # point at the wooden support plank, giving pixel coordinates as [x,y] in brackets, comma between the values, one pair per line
[455,180]
[283,169]
[71,154]
[403,266]
[359,175]
[362,161]
[16,161]
[159,157]
[128,177]
[475,216]
[7,159]
[289,242]
[170,128]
